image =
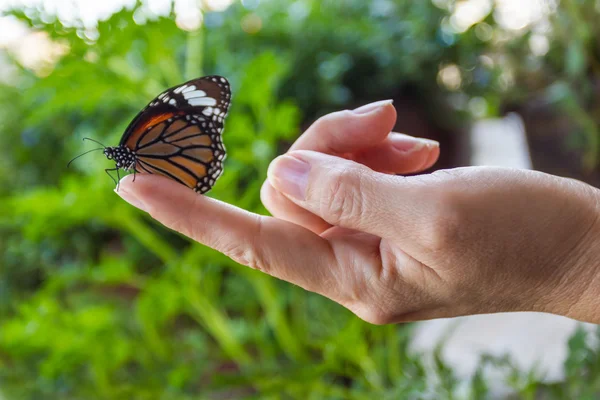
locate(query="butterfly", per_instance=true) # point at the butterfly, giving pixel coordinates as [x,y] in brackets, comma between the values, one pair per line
[177,135]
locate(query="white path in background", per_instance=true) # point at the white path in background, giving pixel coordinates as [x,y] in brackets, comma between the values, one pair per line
[533,341]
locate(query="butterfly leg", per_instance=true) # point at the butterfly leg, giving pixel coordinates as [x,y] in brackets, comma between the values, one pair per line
[118,179]
[107,170]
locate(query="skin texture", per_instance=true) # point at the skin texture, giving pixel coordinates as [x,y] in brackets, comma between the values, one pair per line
[392,248]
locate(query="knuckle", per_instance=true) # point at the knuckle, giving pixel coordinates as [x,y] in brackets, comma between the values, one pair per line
[182,225]
[344,199]
[183,220]
[371,303]
[248,253]
[244,255]
[273,200]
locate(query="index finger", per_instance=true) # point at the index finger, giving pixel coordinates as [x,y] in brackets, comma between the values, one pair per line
[278,248]
[370,125]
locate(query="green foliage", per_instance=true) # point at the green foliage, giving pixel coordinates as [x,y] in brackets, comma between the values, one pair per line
[566,76]
[100,302]
[381,50]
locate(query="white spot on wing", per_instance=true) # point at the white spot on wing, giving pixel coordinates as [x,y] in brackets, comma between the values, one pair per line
[172,102]
[207,111]
[180,89]
[187,89]
[203,101]
[195,93]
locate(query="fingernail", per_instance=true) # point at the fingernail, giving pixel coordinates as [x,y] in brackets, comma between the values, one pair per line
[409,144]
[372,107]
[289,175]
[131,199]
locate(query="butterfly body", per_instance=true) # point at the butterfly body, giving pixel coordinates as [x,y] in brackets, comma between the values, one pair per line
[124,158]
[178,135]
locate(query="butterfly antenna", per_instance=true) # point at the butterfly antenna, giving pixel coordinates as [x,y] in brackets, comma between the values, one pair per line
[81,155]
[95,141]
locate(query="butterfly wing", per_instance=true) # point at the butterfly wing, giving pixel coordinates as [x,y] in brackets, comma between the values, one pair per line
[178,134]
[181,148]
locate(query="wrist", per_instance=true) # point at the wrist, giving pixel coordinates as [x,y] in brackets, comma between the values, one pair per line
[577,295]
[586,291]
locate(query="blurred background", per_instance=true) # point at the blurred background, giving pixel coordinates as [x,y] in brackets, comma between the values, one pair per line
[97,301]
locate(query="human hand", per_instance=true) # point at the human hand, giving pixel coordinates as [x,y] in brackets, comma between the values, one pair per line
[394,249]
[362,135]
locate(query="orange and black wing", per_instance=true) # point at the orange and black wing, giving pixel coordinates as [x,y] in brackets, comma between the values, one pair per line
[181,148]
[178,134]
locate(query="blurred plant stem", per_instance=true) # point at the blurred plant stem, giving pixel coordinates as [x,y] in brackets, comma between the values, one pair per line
[276,314]
[207,315]
[146,236]
[194,51]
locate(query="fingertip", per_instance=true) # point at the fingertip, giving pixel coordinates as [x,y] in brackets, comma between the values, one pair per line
[269,196]
[273,200]
[124,182]
[409,144]
[368,108]
[147,183]
[434,155]
[389,112]
[381,118]
[421,153]
[149,192]
[127,192]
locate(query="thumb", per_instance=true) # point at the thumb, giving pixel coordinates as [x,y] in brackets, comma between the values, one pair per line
[345,193]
